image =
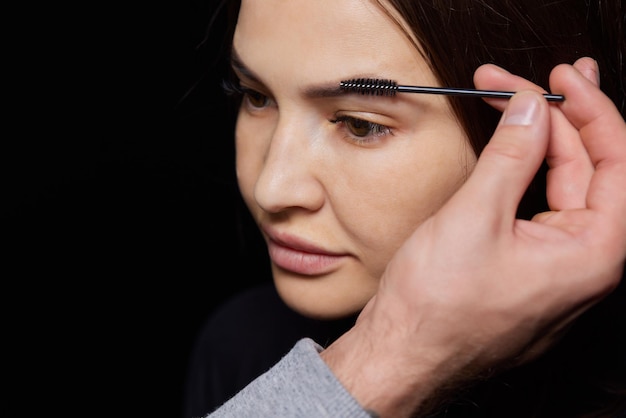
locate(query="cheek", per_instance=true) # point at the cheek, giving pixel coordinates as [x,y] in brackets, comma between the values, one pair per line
[391,203]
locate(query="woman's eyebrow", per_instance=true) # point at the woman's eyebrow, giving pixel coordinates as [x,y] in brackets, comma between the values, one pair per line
[239,67]
[322,90]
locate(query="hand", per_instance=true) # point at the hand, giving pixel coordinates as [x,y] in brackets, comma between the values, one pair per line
[475,289]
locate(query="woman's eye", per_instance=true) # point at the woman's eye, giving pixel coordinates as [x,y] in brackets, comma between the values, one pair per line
[252,97]
[255,98]
[361,128]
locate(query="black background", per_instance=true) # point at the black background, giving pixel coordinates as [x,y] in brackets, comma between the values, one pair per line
[122,222]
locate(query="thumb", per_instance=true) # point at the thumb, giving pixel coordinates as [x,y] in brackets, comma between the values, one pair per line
[512,157]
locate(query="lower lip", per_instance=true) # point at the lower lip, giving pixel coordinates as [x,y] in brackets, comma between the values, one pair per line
[300,262]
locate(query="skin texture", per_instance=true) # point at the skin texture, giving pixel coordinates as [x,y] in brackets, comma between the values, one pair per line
[332,206]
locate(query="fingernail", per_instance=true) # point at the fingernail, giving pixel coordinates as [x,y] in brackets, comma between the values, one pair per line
[522,109]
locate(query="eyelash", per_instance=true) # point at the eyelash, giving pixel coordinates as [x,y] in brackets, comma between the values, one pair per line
[351,124]
[232,88]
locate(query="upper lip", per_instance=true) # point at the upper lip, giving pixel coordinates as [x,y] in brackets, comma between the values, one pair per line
[295,243]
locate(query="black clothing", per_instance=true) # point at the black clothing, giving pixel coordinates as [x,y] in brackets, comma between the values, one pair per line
[243,339]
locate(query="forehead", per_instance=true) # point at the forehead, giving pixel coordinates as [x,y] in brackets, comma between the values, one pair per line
[321,39]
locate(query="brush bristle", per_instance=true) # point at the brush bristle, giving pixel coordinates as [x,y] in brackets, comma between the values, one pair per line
[370,86]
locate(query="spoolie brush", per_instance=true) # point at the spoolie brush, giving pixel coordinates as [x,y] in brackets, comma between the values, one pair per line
[379,87]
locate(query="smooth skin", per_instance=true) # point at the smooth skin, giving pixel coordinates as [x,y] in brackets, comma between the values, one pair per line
[448,310]
[336,198]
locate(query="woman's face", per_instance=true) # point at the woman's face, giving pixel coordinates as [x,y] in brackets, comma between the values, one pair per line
[337,182]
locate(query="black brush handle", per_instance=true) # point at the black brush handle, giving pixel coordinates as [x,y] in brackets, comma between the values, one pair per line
[449,91]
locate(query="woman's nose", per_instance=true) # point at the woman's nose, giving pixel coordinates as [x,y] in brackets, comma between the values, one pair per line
[290,176]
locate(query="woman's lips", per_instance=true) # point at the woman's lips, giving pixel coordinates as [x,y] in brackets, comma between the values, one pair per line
[302,259]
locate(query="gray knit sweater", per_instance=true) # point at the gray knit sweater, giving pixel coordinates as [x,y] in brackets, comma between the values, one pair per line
[299,385]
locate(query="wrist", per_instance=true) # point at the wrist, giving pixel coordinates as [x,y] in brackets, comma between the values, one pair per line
[386,372]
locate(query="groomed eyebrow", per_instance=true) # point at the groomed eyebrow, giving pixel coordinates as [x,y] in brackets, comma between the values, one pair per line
[324,90]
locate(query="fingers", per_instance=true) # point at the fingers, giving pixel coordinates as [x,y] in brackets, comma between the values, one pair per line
[602,131]
[571,168]
[511,158]
[588,67]
[492,77]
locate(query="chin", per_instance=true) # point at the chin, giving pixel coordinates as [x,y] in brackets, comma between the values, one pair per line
[324,298]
